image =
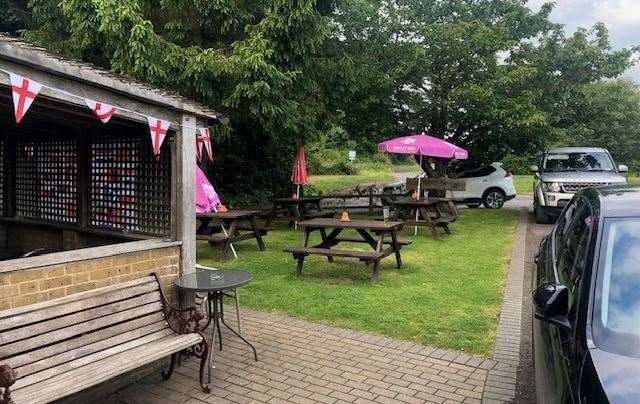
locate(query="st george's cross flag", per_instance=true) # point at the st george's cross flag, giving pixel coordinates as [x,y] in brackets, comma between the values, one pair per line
[103,111]
[24,91]
[199,148]
[205,136]
[158,129]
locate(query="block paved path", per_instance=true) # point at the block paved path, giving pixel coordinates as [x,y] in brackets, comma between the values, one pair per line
[305,362]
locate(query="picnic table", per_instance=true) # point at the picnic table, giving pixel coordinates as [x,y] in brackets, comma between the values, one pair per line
[432,213]
[372,232]
[239,224]
[298,209]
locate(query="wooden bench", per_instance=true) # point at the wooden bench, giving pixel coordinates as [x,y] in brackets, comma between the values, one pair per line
[53,349]
[301,252]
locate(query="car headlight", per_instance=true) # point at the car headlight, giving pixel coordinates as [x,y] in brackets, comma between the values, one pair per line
[551,186]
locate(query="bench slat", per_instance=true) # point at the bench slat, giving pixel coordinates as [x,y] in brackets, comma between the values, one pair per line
[359,240]
[91,325]
[85,360]
[68,345]
[102,344]
[17,334]
[74,297]
[369,255]
[101,370]
[55,308]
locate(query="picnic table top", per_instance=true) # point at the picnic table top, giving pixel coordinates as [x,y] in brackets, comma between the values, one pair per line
[230,214]
[302,199]
[420,202]
[352,224]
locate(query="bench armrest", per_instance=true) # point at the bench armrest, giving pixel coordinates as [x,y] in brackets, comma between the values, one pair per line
[181,321]
[7,379]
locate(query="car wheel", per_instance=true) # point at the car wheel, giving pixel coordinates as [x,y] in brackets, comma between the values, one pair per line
[473,205]
[494,199]
[541,214]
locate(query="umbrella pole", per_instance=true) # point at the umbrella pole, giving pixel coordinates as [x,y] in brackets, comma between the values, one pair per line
[415,228]
[226,234]
[295,226]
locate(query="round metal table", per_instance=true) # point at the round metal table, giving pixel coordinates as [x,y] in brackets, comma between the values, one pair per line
[216,284]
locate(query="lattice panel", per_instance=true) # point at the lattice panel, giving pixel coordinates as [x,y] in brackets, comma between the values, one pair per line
[130,190]
[47,180]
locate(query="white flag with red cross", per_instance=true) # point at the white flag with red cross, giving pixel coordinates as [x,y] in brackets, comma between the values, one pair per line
[158,129]
[205,140]
[103,111]
[24,91]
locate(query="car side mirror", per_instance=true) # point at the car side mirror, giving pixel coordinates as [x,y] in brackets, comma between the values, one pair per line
[623,169]
[533,168]
[551,305]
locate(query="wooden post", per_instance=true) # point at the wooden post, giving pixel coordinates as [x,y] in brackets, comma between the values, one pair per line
[184,209]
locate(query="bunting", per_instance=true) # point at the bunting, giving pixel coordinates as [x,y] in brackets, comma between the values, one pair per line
[24,91]
[158,129]
[101,110]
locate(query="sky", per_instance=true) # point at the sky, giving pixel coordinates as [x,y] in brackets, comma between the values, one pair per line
[622,18]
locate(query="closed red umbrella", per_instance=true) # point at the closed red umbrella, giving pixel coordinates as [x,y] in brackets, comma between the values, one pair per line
[299,173]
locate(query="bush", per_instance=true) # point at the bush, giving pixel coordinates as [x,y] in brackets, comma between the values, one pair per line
[323,161]
[519,164]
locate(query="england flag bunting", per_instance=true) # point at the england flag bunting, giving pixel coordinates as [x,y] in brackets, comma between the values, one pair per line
[24,91]
[198,148]
[158,129]
[103,111]
[205,139]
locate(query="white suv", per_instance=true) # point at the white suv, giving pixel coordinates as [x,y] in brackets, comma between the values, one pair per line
[491,185]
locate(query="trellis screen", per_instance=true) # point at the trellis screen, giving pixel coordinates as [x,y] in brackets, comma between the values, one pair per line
[129,189]
[47,180]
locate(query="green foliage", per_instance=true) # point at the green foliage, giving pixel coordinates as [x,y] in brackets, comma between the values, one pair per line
[519,163]
[490,75]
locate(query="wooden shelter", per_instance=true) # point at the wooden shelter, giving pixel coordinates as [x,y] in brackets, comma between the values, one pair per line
[89,199]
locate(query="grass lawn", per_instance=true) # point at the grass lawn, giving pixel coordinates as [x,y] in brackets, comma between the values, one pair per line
[330,183]
[447,294]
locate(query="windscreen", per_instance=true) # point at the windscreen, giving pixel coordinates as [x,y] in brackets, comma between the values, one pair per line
[595,161]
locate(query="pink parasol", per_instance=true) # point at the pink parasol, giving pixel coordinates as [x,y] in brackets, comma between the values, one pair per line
[423,145]
[207,199]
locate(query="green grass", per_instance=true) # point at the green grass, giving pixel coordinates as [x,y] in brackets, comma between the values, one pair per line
[447,294]
[331,183]
[524,183]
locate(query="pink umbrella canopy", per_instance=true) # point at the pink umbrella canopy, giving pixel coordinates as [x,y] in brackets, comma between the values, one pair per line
[423,145]
[207,198]
[299,173]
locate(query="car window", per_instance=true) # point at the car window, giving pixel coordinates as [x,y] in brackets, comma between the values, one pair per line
[616,316]
[593,161]
[563,223]
[480,172]
[573,258]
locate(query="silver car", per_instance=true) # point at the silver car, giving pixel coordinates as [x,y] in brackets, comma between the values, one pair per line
[566,170]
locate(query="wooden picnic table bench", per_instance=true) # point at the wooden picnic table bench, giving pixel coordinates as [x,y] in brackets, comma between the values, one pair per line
[239,225]
[372,232]
[432,212]
[53,349]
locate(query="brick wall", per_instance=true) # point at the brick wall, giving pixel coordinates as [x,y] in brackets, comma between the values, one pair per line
[26,286]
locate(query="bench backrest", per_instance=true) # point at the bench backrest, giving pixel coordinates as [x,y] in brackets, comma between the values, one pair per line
[41,336]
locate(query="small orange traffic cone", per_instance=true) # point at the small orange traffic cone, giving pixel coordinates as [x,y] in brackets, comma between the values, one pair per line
[345,216]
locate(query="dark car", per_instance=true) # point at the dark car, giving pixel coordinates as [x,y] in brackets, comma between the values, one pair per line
[587,301]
